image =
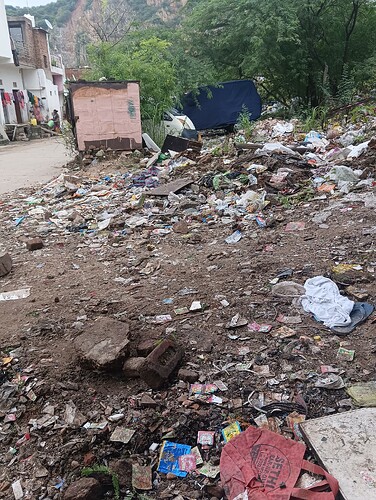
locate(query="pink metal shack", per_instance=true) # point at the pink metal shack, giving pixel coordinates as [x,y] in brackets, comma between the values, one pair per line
[106,115]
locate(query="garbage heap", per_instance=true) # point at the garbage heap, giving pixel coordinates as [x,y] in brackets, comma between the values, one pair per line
[157,307]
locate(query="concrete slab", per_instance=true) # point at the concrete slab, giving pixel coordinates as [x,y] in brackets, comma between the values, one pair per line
[345,444]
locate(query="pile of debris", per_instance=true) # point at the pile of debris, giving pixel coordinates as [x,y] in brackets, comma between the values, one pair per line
[192,298]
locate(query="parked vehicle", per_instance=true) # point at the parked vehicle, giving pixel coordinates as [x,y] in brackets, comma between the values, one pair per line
[219,106]
[178,124]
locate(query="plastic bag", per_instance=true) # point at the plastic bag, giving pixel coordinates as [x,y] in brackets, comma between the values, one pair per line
[260,465]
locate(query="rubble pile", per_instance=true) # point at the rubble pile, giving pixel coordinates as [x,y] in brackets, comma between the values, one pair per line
[156,307]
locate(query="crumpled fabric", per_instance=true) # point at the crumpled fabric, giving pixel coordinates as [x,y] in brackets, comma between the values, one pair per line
[323,300]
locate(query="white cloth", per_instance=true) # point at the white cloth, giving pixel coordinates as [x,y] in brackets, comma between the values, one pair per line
[322,298]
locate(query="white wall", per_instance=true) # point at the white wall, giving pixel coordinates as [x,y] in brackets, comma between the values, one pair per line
[5,49]
[37,83]
[10,74]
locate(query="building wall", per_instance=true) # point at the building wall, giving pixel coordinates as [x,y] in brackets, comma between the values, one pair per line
[24,43]
[42,54]
[5,49]
[107,115]
[38,84]
[33,73]
[10,75]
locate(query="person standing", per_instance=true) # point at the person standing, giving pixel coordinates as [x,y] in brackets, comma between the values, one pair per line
[56,119]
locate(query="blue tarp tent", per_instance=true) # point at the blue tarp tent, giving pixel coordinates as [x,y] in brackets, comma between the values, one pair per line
[223,106]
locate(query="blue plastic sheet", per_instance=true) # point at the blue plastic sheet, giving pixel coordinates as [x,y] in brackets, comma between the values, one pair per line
[218,107]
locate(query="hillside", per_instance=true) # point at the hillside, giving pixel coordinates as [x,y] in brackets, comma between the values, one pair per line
[71,19]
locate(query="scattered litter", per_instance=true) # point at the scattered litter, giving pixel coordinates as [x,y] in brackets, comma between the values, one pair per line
[330,381]
[142,477]
[15,294]
[323,300]
[363,393]
[17,490]
[345,354]
[231,431]
[122,435]
[234,237]
[237,322]
[258,453]
[169,458]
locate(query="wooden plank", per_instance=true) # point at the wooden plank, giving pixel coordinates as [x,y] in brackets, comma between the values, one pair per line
[170,187]
[345,444]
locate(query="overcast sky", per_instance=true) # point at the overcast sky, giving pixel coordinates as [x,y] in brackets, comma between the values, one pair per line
[25,3]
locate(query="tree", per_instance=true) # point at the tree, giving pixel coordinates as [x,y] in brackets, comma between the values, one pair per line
[300,48]
[143,59]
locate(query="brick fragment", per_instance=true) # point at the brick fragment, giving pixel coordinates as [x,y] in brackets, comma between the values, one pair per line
[131,367]
[34,244]
[86,488]
[160,363]
[187,375]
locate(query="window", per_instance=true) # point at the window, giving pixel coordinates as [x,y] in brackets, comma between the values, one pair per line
[15,84]
[16,33]
[45,61]
[1,82]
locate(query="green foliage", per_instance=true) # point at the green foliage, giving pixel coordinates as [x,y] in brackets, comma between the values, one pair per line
[102,469]
[244,123]
[140,59]
[314,118]
[305,49]
[58,13]
[346,87]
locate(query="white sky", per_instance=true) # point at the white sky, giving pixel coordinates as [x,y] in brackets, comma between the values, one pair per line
[25,3]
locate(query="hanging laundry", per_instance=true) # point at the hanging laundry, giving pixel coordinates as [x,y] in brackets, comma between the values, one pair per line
[7,98]
[21,99]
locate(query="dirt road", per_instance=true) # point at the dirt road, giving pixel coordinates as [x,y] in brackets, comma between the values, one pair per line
[24,164]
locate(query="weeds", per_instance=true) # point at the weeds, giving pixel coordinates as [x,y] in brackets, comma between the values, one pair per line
[315,118]
[68,137]
[244,123]
[102,469]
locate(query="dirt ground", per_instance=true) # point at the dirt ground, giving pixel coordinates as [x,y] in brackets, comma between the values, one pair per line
[80,275]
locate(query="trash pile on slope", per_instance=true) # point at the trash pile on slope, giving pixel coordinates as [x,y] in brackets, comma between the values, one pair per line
[204,321]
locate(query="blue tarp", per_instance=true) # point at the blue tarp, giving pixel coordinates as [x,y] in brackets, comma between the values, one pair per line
[223,107]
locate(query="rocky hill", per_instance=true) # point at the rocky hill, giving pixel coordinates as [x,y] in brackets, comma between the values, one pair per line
[74,21]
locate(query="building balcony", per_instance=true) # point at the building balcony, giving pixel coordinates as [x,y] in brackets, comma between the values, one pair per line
[55,70]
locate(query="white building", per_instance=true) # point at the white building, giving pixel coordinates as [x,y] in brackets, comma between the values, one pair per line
[6,57]
[31,81]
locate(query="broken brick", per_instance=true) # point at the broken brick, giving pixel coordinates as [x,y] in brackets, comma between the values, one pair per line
[86,488]
[147,402]
[145,347]
[187,375]
[34,244]
[161,362]
[131,367]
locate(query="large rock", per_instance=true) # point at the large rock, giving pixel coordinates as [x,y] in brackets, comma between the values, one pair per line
[5,264]
[86,488]
[104,344]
